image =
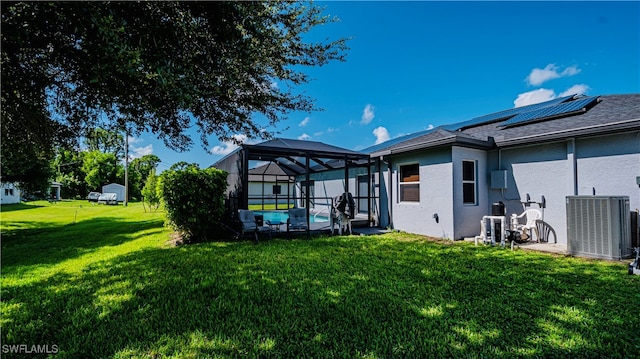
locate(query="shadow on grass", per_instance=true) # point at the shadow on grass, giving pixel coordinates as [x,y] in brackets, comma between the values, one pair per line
[35,243]
[17,207]
[329,298]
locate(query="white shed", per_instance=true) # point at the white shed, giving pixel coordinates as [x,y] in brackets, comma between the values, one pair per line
[114,188]
[9,193]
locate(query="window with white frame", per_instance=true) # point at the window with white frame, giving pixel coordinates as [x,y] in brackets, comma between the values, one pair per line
[409,183]
[8,191]
[469,195]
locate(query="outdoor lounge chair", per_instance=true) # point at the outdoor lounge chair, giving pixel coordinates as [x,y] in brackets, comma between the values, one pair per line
[297,219]
[532,216]
[249,224]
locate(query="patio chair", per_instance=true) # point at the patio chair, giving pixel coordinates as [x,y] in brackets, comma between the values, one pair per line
[249,224]
[545,231]
[343,222]
[297,219]
[532,215]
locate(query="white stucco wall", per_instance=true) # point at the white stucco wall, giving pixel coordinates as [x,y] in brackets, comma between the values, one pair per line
[467,217]
[539,170]
[330,184]
[256,190]
[436,195]
[610,164]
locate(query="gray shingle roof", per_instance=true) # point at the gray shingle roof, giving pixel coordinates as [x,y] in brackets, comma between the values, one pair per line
[613,113]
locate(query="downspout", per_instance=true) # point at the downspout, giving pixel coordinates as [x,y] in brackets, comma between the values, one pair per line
[500,168]
[245,180]
[308,187]
[571,148]
[346,175]
[390,190]
[369,207]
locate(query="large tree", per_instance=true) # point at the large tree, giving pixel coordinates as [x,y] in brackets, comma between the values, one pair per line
[158,66]
[101,169]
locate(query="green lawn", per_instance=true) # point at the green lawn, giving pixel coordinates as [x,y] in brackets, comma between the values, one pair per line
[109,286]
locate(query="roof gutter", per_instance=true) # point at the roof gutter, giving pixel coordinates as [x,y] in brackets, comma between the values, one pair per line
[445,141]
[584,131]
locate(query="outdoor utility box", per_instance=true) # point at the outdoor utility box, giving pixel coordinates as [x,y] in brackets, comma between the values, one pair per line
[598,227]
[499,179]
[497,209]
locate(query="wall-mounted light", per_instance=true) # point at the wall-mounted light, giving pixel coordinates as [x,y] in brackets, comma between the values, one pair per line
[435,216]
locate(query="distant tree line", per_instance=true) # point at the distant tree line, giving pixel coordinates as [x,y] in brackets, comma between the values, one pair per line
[100,162]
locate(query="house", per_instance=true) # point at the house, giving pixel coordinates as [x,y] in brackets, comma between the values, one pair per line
[271,183]
[116,188]
[441,182]
[9,193]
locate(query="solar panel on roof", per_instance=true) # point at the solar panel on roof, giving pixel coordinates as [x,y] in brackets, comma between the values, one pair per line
[550,112]
[497,116]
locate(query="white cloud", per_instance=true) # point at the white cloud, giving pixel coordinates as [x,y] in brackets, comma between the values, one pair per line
[134,139]
[367,115]
[580,89]
[228,146]
[535,96]
[304,122]
[430,127]
[381,134]
[304,137]
[137,152]
[542,94]
[539,76]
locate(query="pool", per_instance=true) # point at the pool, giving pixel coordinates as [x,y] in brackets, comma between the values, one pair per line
[279,216]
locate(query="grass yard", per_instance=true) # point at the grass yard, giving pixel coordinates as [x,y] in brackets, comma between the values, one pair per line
[270,207]
[108,286]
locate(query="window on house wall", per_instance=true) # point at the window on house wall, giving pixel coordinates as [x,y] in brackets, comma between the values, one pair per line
[8,191]
[410,183]
[469,182]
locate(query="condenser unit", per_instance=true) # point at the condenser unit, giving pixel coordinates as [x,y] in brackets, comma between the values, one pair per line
[598,227]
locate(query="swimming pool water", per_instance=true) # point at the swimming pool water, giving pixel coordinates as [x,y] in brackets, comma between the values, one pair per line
[278,216]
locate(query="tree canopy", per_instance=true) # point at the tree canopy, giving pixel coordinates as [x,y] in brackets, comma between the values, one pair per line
[161,67]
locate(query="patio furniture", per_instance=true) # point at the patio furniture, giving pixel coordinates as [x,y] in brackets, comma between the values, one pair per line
[249,224]
[545,231]
[342,212]
[297,219]
[342,220]
[273,226]
[532,215]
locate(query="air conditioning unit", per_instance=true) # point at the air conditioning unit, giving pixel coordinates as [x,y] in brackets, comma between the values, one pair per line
[598,227]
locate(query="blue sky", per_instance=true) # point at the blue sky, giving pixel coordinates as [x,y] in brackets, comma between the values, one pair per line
[415,65]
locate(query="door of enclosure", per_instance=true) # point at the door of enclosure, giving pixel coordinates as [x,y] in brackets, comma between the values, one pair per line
[363,199]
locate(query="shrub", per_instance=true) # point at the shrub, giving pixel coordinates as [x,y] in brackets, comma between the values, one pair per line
[149,193]
[194,200]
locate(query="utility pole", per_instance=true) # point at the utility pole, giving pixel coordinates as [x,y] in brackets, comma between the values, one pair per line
[126,166]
